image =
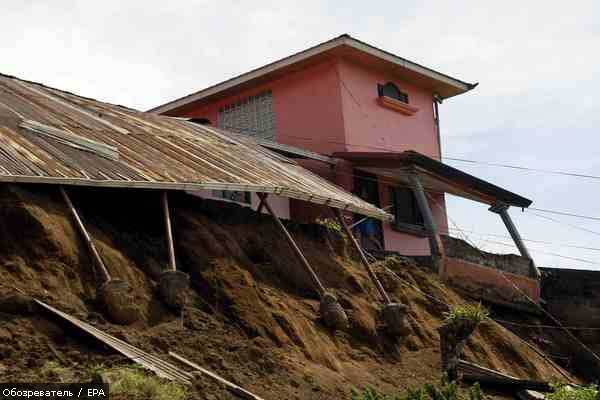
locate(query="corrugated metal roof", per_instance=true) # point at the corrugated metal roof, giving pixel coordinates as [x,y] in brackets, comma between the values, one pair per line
[153,151]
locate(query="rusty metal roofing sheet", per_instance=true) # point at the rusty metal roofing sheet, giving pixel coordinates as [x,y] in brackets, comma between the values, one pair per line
[153,151]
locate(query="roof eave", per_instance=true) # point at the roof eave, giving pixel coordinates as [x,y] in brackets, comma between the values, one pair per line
[458,85]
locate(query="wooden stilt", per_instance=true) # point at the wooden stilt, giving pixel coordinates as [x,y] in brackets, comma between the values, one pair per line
[88,239]
[170,246]
[363,257]
[318,285]
[435,243]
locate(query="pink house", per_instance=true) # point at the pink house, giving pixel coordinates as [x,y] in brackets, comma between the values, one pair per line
[363,118]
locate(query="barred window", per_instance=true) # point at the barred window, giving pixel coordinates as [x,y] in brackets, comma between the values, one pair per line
[252,116]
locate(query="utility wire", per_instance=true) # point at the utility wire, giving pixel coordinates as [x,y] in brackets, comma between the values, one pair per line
[565,213]
[459,159]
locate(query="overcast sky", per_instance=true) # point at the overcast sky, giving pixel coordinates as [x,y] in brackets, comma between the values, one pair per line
[538,64]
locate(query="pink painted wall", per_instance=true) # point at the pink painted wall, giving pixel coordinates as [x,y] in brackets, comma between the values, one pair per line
[307,106]
[371,127]
[332,106]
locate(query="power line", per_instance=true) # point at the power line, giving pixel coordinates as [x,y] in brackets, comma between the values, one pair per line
[459,159]
[565,213]
[518,167]
[564,223]
[535,241]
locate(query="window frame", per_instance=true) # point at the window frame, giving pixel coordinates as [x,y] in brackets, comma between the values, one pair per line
[416,225]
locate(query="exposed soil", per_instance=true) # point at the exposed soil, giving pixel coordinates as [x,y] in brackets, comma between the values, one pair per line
[251,317]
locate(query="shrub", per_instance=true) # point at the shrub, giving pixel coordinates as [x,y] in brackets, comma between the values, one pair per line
[467,313]
[566,392]
[331,225]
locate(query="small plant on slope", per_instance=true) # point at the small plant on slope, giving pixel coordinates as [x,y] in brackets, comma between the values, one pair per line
[467,314]
[566,392]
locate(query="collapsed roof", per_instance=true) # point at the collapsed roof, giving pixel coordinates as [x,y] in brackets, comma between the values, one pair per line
[55,137]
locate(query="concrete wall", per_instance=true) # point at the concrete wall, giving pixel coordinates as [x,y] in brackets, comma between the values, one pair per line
[491,284]
[573,296]
[506,262]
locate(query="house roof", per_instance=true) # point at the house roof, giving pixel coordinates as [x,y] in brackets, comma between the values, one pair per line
[435,176]
[443,85]
[55,137]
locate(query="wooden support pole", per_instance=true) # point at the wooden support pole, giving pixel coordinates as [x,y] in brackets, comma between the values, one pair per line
[318,285]
[502,210]
[88,239]
[170,246]
[435,243]
[363,257]
[261,204]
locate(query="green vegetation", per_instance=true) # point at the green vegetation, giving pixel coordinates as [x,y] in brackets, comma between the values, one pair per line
[566,392]
[467,313]
[52,371]
[445,390]
[135,383]
[331,224]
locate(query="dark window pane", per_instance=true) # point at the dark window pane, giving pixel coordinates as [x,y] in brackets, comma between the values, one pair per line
[406,209]
[392,91]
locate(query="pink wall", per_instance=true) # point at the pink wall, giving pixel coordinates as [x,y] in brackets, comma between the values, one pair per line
[307,106]
[371,127]
[404,243]
[332,106]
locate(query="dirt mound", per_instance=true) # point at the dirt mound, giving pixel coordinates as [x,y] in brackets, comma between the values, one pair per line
[252,315]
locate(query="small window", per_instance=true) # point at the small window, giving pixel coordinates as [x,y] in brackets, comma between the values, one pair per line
[233,195]
[392,91]
[406,209]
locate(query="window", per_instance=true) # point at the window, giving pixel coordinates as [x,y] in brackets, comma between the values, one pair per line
[406,209]
[233,195]
[392,91]
[252,116]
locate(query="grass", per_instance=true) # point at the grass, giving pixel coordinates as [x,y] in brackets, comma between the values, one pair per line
[52,371]
[566,392]
[135,383]
[471,313]
[444,390]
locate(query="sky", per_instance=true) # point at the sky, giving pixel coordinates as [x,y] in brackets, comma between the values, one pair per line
[537,62]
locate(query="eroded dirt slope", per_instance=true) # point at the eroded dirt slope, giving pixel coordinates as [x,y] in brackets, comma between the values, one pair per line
[252,315]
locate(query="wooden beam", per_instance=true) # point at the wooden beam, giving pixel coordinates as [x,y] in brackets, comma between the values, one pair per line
[261,204]
[316,281]
[170,245]
[435,243]
[363,257]
[88,239]
[243,393]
